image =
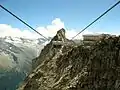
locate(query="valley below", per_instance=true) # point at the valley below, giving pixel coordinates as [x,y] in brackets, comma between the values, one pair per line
[16,56]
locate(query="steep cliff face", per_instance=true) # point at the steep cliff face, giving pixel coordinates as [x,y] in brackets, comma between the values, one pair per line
[71,67]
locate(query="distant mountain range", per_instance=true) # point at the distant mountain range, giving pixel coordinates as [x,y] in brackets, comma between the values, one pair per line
[16,56]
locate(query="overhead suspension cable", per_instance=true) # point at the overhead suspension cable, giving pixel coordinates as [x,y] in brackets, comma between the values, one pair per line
[97,19]
[22,21]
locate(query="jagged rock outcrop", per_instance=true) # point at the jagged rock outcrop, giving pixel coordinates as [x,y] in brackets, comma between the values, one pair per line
[77,67]
[51,49]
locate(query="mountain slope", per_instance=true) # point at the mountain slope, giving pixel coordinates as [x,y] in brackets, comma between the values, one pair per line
[72,67]
[16,56]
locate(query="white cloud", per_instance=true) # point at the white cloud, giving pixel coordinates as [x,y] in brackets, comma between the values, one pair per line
[7,30]
[52,29]
[49,30]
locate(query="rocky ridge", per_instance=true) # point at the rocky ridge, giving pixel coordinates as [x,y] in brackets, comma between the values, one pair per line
[73,67]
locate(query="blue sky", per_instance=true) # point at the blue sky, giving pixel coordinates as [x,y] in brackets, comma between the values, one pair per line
[75,14]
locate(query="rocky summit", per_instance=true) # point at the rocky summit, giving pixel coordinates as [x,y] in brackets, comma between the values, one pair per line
[76,67]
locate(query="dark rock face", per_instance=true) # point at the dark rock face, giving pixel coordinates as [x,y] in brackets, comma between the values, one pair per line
[50,49]
[77,67]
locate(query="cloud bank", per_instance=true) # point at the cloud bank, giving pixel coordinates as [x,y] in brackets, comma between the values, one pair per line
[47,31]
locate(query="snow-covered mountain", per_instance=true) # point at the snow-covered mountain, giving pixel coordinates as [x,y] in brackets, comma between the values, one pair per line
[16,56]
